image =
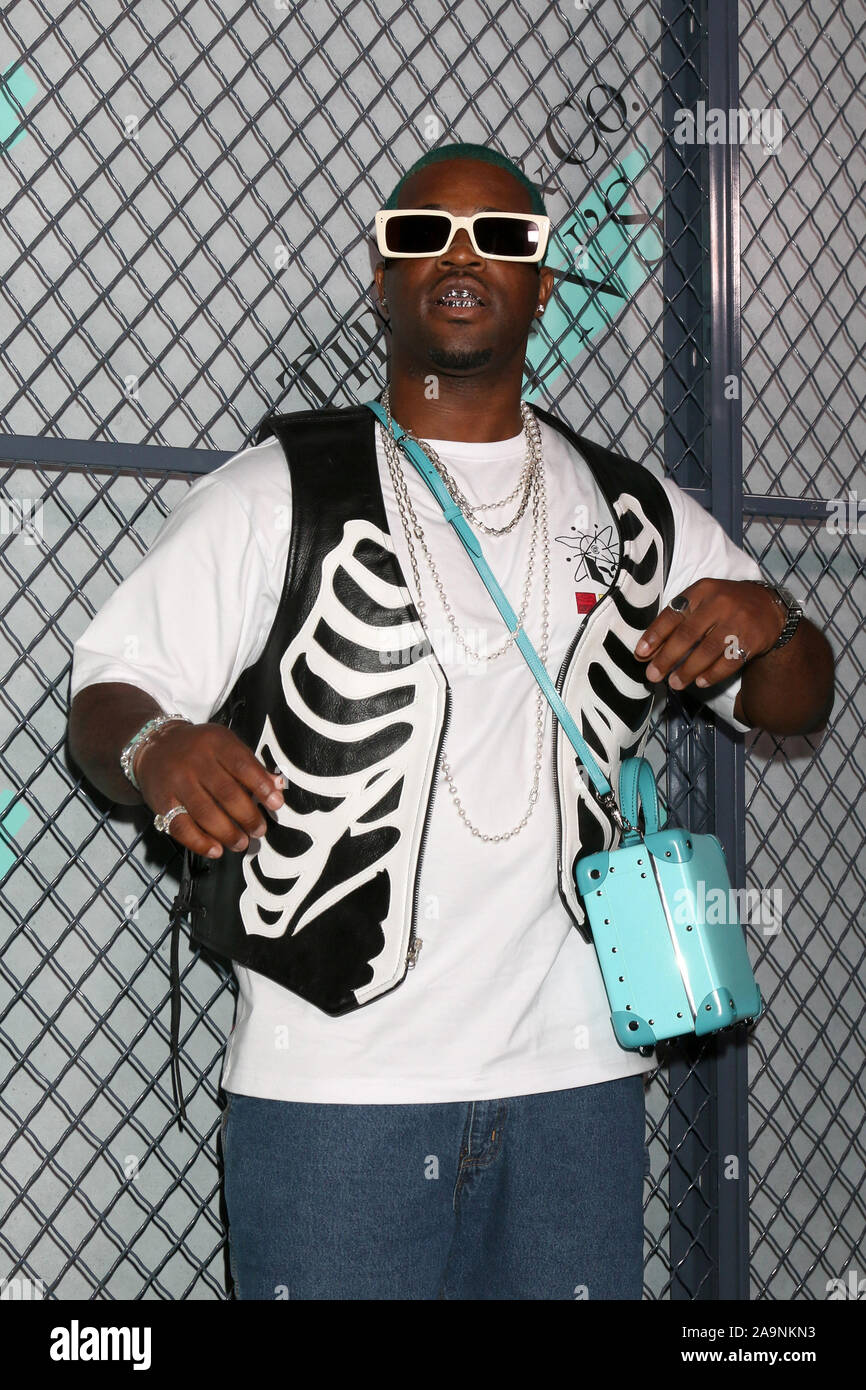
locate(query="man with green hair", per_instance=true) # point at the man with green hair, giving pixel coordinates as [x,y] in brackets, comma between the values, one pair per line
[425,1097]
[479,154]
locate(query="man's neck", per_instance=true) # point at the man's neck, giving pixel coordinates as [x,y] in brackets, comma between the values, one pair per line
[466,408]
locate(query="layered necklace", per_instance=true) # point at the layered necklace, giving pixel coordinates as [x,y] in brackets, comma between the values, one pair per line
[530,489]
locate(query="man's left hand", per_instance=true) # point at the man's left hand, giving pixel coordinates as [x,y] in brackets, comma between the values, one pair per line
[723,617]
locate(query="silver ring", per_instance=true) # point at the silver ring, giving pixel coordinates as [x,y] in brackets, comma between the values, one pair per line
[742,654]
[163,822]
[679,604]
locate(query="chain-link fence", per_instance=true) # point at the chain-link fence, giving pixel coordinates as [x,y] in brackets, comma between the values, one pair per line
[188,200]
[804,384]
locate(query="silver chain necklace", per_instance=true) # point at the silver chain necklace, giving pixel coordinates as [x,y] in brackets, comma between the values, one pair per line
[404,500]
[525,482]
[412,526]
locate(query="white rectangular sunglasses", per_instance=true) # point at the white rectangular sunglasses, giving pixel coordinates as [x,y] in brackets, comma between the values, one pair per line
[498,236]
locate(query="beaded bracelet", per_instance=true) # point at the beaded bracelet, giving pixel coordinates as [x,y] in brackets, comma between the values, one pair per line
[141,738]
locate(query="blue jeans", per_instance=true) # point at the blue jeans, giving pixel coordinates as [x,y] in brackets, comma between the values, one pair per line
[530,1197]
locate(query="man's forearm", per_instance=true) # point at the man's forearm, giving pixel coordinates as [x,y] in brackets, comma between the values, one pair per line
[102,720]
[791,690]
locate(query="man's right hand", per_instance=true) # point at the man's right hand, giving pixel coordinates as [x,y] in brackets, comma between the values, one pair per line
[210,771]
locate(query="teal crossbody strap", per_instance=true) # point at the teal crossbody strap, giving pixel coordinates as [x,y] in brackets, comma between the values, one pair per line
[453,514]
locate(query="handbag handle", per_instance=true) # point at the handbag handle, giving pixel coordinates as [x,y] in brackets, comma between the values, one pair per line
[453,514]
[636,780]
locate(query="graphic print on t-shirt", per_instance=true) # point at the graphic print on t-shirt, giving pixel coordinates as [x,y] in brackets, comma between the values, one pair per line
[592,558]
[593,554]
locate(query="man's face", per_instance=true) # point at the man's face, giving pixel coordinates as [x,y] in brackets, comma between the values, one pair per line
[429,334]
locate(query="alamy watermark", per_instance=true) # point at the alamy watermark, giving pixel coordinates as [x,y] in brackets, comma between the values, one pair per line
[739,126]
[846,515]
[851,1286]
[77,1343]
[21,515]
[753,906]
[448,647]
[20,1289]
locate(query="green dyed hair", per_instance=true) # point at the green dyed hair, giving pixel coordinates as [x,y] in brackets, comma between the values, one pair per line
[480,152]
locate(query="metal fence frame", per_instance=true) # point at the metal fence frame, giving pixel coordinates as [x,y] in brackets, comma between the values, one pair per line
[708,1116]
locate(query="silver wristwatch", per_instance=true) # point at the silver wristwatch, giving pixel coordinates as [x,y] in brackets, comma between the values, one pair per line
[793,612]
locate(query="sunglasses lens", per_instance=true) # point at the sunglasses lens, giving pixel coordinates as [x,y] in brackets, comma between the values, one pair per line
[507,236]
[422,236]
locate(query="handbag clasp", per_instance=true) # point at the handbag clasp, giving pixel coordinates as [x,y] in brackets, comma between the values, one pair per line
[608,801]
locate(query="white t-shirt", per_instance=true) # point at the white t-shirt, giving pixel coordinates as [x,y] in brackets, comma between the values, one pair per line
[506,998]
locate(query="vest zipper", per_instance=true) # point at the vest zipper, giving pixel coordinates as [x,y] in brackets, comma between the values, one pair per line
[415,942]
[560,682]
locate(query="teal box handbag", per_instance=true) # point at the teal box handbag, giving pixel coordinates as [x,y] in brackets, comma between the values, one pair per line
[671,962]
[665,926]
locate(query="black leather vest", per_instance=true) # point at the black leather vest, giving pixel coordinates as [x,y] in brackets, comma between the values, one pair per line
[350,703]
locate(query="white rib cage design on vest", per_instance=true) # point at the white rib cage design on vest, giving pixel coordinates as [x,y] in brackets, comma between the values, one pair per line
[403,672]
[603,694]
